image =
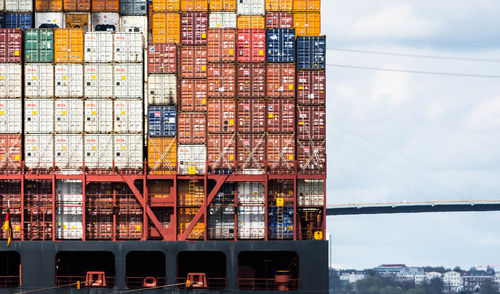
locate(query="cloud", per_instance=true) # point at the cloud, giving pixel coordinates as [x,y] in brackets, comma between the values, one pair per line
[391,87]
[485,116]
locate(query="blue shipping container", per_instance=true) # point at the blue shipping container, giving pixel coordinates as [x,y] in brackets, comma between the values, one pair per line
[280,222]
[18,20]
[162,121]
[2,21]
[311,52]
[280,45]
[133,7]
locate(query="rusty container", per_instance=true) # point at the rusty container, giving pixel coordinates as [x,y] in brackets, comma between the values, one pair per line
[311,123]
[193,95]
[279,20]
[194,26]
[251,80]
[221,152]
[193,62]
[221,116]
[10,152]
[281,116]
[162,58]
[221,80]
[311,157]
[251,115]
[221,45]
[192,128]
[251,44]
[311,87]
[281,153]
[280,80]
[251,153]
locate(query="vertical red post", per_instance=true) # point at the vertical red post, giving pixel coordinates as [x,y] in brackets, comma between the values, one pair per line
[235,211]
[22,205]
[266,193]
[295,212]
[145,220]
[84,205]
[114,214]
[205,206]
[53,207]
[173,219]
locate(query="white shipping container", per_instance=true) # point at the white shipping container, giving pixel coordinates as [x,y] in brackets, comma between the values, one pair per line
[128,80]
[105,21]
[98,151]
[18,5]
[68,151]
[128,47]
[38,116]
[49,20]
[39,80]
[310,193]
[191,159]
[68,116]
[128,151]
[69,196]
[162,89]
[128,116]
[98,47]
[222,20]
[98,116]
[251,222]
[98,80]
[2,5]
[11,116]
[10,80]
[69,227]
[135,24]
[251,193]
[251,7]
[39,151]
[68,80]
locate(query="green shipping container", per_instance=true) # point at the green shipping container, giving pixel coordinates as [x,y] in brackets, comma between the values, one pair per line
[39,45]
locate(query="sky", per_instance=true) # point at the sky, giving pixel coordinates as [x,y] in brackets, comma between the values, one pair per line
[395,136]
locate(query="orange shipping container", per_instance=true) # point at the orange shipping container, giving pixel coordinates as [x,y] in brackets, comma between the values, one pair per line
[194,95]
[184,218]
[190,193]
[307,24]
[166,28]
[252,153]
[221,116]
[221,80]
[223,5]
[77,21]
[281,153]
[251,22]
[68,45]
[162,156]
[48,5]
[221,45]
[10,152]
[192,128]
[105,5]
[306,5]
[166,5]
[194,5]
[221,152]
[279,5]
[280,80]
[194,62]
[77,5]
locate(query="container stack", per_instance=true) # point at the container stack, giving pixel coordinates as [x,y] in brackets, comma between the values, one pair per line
[190,197]
[18,14]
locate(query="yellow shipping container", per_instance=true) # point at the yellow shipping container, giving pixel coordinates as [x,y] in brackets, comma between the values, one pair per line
[251,22]
[48,5]
[223,5]
[306,5]
[68,45]
[279,5]
[190,193]
[166,5]
[184,218]
[194,5]
[307,23]
[166,28]
[162,156]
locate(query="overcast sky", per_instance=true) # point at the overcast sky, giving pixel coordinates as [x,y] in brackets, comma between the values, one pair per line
[407,137]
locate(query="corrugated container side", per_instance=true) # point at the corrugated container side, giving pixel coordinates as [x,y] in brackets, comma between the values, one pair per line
[78,20]
[281,116]
[98,80]
[77,5]
[38,116]
[48,5]
[307,23]
[280,223]
[39,45]
[194,95]
[251,153]
[162,121]
[192,128]
[135,24]
[194,62]
[162,58]
[190,193]
[311,53]
[281,80]
[251,22]
[2,6]
[166,28]
[221,80]
[194,26]
[221,45]
[162,156]
[128,47]
[105,21]
[184,218]
[39,151]
[279,5]
[68,45]
[128,151]
[105,5]
[98,47]
[280,45]
[98,151]
[251,222]
[11,118]
[220,218]
[221,152]
[49,20]
[306,5]
[281,153]
[221,116]
[194,5]
[10,80]
[133,7]
[128,80]
[311,87]
[18,5]
[11,45]
[251,80]
[18,20]
[251,7]
[127,116]
[251,194]
[310,192]
[68,80]
[279,20]
[280,193]
[251,115]
[251,45]
[68,151]
[191,160]
[162,89]
[39,80]
[10,151]
[98,116]
[222,5]
[311,123]
[222,20]
[166,5]
[68,116]
[311,157]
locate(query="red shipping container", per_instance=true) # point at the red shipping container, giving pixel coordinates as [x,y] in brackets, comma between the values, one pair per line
[194,26]
[194,62]
[280,80]
[162,58]
[281,153]
[280,116]
[194,95]
[251,153]
[276,20]
[128,227]
[221,116]
[10,152]
[221,45]
[311,156]
[99,227]
[251,45]
[192,128]
[251,80]
[311,87]
[221,151]
[11,45]
[221,80]
[251,115]
[311,123]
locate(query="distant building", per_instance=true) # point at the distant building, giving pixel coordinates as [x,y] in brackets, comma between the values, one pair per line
[389,270]
[432,275]
[452,281]
[351,276]
[474,280]
[411,273]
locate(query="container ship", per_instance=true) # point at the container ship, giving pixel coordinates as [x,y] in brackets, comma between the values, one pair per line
[169,146]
